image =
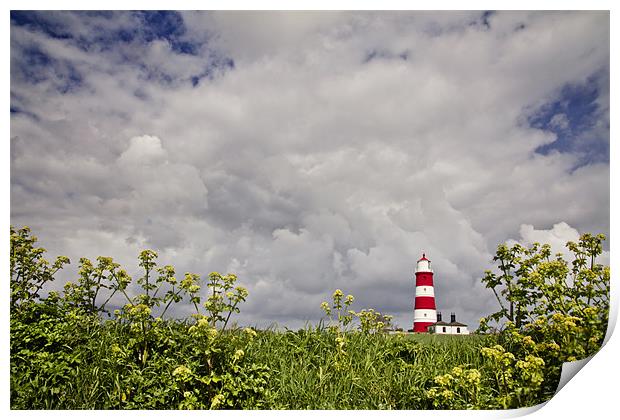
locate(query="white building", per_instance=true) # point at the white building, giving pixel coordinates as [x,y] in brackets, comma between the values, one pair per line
[453,328]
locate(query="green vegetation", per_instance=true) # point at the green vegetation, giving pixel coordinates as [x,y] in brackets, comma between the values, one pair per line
[68,351]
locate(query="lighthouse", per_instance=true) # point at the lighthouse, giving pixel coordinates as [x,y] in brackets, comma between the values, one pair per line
[425,311]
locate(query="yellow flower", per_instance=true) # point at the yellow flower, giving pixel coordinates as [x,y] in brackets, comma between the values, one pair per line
[140,310]
[239,354]
[536,361]
[507,358]
[181,371]
[250,332]
[217,401]
[203,323]
[527,340]
[447,394]
[443,379]
[473,376]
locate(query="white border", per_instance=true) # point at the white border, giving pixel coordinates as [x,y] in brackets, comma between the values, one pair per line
[592,393]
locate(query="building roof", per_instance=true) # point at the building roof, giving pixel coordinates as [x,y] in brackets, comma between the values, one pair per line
[452,324]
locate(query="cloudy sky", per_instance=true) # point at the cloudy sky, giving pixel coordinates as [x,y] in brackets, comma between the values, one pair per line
[309,151]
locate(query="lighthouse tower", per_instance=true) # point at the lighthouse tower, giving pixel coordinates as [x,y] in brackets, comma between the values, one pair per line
[425,312]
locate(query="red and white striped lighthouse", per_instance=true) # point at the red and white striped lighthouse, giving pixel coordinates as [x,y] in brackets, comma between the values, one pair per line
[425,311]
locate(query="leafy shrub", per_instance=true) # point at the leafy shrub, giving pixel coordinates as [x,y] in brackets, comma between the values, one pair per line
[151,363]
[550,313]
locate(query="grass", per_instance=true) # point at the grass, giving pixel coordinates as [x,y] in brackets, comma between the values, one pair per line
[307,368]
[375,371]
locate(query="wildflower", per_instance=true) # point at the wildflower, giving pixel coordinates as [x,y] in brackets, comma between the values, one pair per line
[181,371]
[447,394]
[239,354]
[217,401]
[203,327]
[140,310]
[590,310]
[203,323]
[349,299]
[338,294]
[507,358]
[536,361]
[242,292]
[250,332]
[553,346]
[211,333]
[527,341]
[325,307]
[487,352]
[473,376]
[443,379]
[431,393]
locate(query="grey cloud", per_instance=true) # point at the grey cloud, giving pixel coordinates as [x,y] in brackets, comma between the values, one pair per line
[305,169]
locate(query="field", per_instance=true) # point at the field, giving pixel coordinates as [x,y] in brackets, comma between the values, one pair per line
[376,371]
[97,367]
[69,352]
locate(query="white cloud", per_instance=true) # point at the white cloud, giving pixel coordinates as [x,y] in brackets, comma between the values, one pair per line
[143,150]
[559,121]
[558,236]
[306,168]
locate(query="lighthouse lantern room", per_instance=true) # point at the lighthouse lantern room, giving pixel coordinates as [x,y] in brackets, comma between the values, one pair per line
[425,311]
